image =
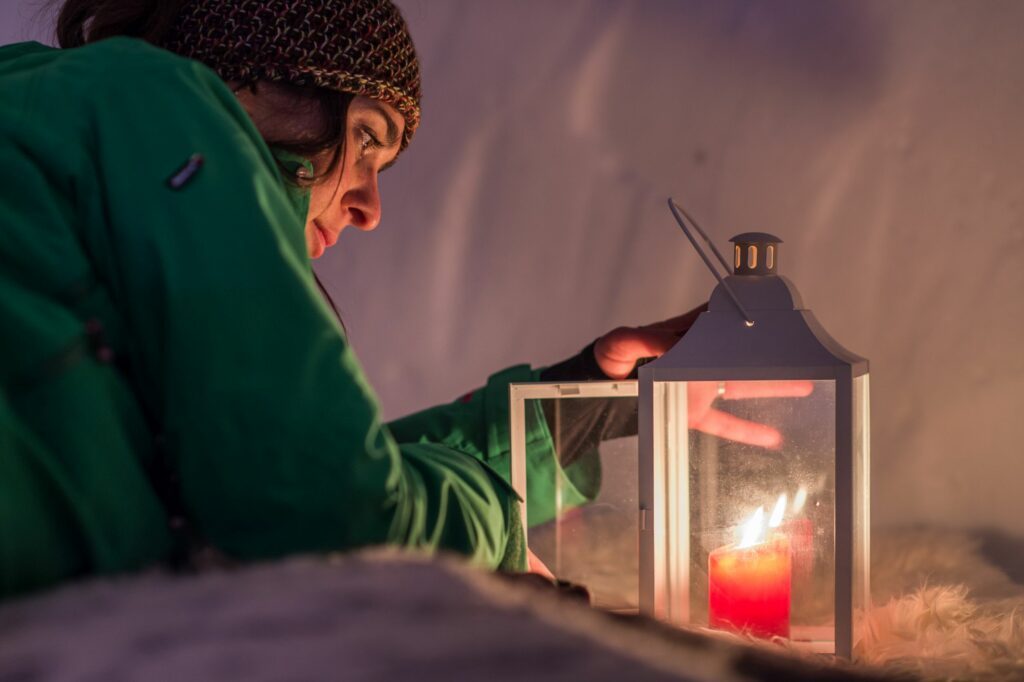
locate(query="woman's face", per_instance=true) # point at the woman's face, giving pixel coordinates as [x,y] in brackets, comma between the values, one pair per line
[350,194]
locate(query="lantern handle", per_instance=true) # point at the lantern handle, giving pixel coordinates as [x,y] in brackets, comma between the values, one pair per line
[678,213]
[700,230]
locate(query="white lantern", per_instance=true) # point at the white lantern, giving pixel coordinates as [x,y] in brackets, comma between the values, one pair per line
[754,465]
[744,503]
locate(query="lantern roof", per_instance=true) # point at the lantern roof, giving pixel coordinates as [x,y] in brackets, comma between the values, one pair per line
[755,238]
[785,339]
[755,327]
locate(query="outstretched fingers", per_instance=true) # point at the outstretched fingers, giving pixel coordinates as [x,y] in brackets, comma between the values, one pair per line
[743,390]
[731,427]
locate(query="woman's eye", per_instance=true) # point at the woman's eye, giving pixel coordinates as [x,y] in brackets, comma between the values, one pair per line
[366,141]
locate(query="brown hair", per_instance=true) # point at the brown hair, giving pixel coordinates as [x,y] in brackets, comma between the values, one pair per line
[86,21]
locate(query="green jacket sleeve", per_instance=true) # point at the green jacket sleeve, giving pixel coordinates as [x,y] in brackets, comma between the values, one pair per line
[274,432]
[478,424]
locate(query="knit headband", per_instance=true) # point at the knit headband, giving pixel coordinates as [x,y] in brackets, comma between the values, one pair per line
[357,46]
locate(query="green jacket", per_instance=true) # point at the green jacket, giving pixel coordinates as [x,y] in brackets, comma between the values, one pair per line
[153,333]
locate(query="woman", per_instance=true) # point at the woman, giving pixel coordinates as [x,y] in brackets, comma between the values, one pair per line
[171,376]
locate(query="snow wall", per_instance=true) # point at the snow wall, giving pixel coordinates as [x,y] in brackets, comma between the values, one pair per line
[883,141]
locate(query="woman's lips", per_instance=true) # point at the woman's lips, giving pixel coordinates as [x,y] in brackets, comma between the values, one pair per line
[328,238]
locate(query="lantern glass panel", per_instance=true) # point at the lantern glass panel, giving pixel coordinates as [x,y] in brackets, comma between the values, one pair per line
[746,522]
[582,510]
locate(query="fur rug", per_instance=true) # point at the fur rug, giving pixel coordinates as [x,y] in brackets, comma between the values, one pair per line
[947,605]
[944,613]
[942,610]
[378,615]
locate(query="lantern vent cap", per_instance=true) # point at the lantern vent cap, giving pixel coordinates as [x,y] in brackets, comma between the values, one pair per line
[755,238]
[755,253]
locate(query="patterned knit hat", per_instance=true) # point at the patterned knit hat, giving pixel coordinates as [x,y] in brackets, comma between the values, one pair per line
[357,46]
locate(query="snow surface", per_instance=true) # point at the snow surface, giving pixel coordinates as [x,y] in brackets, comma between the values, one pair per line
[881,140]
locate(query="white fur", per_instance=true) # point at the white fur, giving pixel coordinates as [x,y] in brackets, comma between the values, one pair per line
[940,632]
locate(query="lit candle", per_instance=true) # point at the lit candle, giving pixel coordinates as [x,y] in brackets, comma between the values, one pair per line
[749,583]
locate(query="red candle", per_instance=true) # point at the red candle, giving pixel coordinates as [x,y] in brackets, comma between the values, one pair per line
[749,588]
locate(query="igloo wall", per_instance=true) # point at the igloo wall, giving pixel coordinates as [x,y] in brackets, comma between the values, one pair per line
[881,140]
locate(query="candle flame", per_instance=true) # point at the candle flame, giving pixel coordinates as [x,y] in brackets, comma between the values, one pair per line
[775,520]
[800,499]
[753,529]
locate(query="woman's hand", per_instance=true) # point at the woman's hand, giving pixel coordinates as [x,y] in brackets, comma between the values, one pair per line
[618,351]
[703,416]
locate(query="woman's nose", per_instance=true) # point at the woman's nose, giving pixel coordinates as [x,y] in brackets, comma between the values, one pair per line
[363,204]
